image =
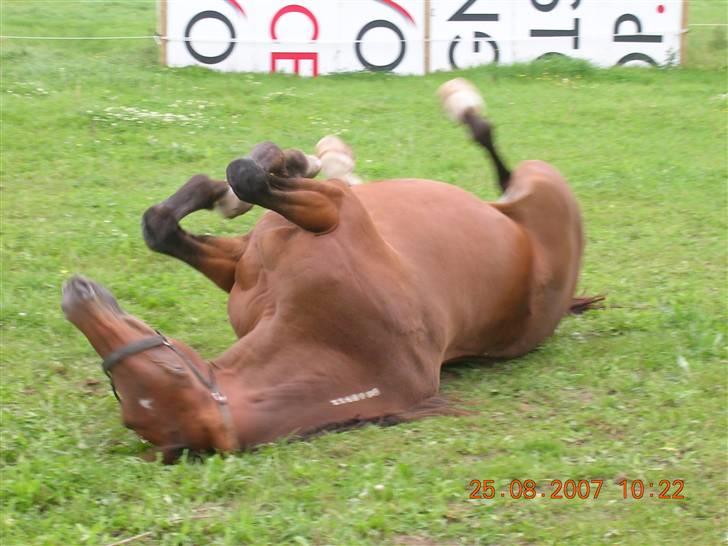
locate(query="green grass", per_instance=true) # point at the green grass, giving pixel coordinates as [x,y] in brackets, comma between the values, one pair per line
[645,151]
[707,46]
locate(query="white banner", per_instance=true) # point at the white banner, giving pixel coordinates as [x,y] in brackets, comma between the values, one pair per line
[311,37]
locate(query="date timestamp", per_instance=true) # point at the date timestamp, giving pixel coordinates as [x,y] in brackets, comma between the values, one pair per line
[576,489]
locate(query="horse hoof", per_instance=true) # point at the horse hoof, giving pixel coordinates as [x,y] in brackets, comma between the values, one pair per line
[337,159]
[457,96]
[247,179]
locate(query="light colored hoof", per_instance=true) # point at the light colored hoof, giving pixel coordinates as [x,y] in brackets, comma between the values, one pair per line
[457,96]
[337,159]
[313,167]
[229,206]
[332,143]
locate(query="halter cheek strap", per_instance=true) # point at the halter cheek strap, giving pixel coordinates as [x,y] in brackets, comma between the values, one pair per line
[131,349]
[210,384]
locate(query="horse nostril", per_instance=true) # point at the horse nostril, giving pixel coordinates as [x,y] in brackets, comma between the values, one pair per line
[79,287]
[75,290]
[80,290]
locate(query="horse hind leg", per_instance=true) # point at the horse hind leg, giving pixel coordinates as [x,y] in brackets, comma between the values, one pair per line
[462,102]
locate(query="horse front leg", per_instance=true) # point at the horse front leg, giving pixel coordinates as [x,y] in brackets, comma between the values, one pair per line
[268,177]
[214,257]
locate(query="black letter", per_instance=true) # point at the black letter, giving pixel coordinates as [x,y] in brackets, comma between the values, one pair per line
[639,37]
[636,57]
[380,23]
[210,15]
[547,33]
[461,15]
[546,7]
[476,47]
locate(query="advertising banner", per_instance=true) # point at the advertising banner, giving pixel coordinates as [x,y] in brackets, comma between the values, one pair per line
[312,37]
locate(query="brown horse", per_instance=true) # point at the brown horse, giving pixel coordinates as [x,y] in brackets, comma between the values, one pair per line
[346,300]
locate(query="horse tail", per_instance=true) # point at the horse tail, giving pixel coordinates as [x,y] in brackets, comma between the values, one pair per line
[463,103]
[585,303]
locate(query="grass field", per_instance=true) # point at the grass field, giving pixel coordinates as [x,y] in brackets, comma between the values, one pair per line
[635,391]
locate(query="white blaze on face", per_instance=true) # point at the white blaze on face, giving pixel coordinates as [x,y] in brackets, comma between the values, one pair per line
[146,403]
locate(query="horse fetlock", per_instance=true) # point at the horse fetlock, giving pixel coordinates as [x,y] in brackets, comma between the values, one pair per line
[459,96]
[159,227]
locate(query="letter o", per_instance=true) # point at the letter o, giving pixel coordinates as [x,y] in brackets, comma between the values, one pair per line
[209,14]
[545,7]
[380,23]
[636,57]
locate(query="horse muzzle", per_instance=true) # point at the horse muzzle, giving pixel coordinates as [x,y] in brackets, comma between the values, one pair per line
[80,293]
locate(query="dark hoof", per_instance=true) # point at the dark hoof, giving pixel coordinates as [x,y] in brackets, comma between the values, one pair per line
[247,179]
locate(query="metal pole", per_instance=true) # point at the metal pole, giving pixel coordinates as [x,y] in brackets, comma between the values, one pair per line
[683,32]
[427,44]
[162,30]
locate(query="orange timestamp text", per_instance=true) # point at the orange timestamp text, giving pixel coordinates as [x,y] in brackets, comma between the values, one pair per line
[576,489]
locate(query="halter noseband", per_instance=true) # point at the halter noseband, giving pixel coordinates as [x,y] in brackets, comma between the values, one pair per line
[159,340]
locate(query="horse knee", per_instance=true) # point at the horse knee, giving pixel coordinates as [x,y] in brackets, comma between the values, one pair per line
[159,227]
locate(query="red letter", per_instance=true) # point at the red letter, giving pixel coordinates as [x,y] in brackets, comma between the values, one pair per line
[295,56]
[294,8]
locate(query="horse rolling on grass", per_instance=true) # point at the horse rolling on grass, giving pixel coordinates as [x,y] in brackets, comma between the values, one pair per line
[346,299]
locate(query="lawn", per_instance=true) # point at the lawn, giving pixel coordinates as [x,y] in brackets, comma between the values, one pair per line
[636,391]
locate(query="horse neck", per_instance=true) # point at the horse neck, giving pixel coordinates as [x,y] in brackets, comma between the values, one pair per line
[284,390]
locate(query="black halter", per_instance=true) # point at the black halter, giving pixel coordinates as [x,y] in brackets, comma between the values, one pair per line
[159,340]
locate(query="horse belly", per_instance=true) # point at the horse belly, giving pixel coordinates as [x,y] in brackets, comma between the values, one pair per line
[471,263]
